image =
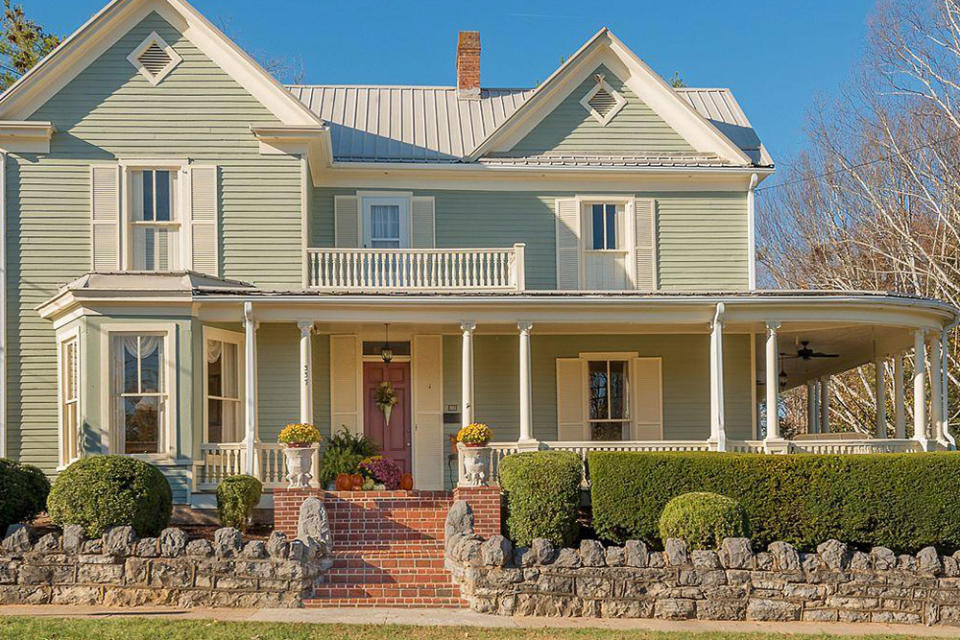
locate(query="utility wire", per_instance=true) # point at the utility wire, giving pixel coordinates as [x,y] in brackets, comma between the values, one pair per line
[859,165]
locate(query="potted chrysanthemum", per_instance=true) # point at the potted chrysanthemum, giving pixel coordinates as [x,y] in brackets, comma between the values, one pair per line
[475,434]
[300,439]
[474,437]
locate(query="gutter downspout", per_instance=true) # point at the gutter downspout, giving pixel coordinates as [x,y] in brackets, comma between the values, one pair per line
[752,231]
[3,304]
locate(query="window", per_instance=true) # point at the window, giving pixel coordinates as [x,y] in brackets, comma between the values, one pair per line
[607,392]
[155,228]
[139,392]
[70,433]
[224,382]
[386,222]
[603,226]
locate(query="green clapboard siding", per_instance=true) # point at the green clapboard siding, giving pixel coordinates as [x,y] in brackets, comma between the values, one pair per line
[110,111]
[635,130]
[701,237]
[686,380]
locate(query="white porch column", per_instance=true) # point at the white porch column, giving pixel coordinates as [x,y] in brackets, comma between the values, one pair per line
[526,385]
[306,371]
[718,432]
[825,404]
[880,389]
[250,389]
[899,405]
[919,389]
[772,369]
[936,389]
[813,411]
[466,373]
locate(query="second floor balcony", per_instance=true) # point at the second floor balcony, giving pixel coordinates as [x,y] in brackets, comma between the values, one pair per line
[495,269]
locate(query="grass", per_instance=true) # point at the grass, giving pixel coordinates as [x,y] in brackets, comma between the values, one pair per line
[34,628]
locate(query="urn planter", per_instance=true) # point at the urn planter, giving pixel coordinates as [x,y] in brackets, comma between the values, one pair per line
[299,465]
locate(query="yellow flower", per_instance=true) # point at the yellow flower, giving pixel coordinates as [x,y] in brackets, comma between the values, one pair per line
[299,433]
[476,433]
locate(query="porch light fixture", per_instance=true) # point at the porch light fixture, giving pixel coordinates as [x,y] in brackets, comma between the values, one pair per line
[386,353]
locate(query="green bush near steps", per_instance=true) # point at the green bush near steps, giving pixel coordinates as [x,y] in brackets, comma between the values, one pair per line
[237,496]
[901,501]
[105,491]
[23,493]
[542,490]
[703,519]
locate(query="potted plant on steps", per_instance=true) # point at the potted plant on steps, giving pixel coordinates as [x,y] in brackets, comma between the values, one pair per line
[300,439]
[474,438]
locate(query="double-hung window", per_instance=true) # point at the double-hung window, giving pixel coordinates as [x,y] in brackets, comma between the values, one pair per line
[155,224]
[605,247]
[604,227]
[386,222]
[139,392]
[607,400]
[70,434]
[224,381]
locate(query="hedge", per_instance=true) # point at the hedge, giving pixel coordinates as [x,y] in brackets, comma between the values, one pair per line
[901,501]
[237,496]
[703,519]
[104,491]
[23,493]
[542,489]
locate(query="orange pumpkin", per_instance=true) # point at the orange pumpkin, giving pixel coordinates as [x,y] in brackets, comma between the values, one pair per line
[344,482]
[406,482]
[356,482]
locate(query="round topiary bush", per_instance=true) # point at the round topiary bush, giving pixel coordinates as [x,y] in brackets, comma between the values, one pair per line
[23,493]
[703,519]
[237,496]
[105,491]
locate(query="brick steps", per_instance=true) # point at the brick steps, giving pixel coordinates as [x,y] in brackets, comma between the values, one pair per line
[367,602]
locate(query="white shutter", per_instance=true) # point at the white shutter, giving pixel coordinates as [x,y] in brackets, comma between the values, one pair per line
[428,458]
[346,221]
[571,403]
[647,406]
[105,218]
[424,233]
[568,243]
[204,217]
[345,384]
[645,244]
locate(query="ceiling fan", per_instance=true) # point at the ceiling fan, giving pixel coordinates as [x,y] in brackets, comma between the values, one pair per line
[804,352]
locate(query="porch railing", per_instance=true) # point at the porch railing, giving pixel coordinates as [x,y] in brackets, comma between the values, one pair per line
[221,460]
[417,269]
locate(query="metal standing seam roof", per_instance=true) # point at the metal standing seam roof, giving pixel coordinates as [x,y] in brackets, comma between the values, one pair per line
[379,123]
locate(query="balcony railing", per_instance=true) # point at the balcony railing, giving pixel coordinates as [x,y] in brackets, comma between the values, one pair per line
[417,269]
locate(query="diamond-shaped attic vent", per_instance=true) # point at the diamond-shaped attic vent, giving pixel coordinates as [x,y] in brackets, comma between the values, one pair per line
[603,101]
[154,58]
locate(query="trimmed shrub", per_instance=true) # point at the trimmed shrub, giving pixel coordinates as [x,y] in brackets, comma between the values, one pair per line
[543,496]
[703,519]
[237,496]
[23,493]
[901,501]
[105,491]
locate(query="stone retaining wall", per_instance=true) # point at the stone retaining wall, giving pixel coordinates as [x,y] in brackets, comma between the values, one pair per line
[834,584]
[121,570]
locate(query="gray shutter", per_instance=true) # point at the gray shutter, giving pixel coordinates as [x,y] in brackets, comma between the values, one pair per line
[346,221]
[105,218]
[645,244]
[568,243]
[423,235]
[204,216]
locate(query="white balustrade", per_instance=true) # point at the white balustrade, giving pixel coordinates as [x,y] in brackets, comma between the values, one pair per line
[218,461]
[417,269]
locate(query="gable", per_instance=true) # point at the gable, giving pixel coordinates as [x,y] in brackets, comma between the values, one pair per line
[635,130]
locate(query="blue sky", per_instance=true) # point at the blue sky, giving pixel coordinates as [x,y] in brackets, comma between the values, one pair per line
[777,56]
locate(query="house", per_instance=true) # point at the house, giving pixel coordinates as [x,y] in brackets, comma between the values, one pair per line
[195,255]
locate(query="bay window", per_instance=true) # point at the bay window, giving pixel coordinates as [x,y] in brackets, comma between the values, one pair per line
[139,392]
[223,368]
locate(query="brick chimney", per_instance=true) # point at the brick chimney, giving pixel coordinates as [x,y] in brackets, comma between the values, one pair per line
[468,65]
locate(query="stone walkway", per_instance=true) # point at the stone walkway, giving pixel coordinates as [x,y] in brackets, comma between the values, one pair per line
[467,618]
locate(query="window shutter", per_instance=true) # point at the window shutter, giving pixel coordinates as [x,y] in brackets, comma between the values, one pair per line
[647,406]
[424,234]
[204,215]
[345,391]
[346,221]
[645,244]
[571,404]
[428,412]
[568,244]
[105,218]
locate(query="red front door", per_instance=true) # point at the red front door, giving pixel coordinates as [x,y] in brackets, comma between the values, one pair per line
[393,438]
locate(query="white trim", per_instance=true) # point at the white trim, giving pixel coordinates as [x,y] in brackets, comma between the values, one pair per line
[619,102]
[154,39]
[752,232]
[231,337]
[63,338]
[30,136]
[305,187]
[403,200]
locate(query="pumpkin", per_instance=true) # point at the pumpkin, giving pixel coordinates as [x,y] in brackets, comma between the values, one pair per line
[406,482]
[356,482]
[344,482]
